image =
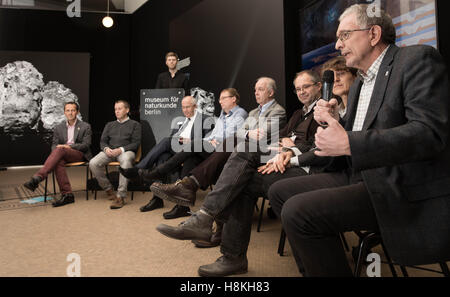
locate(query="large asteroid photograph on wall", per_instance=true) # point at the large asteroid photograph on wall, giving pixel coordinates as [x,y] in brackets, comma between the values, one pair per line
[30,108]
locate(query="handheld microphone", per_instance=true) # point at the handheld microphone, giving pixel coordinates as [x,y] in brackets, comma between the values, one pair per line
[327,85]
[327,89]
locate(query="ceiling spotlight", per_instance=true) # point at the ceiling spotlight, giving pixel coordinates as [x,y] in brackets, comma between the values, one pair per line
[107,20]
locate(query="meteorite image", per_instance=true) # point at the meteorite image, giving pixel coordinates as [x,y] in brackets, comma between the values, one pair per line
[27,104]
[205,100]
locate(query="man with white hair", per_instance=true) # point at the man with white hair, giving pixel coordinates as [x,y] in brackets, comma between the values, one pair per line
[193,127]
[390,171]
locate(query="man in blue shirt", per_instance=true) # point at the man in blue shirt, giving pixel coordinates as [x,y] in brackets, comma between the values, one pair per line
[231,118]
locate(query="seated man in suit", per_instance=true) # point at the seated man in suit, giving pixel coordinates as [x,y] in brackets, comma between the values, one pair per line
[268,114]
[390,154]
[71,143]
[231,118]
[239,185]
[119,142]
[258,187]
[194,126]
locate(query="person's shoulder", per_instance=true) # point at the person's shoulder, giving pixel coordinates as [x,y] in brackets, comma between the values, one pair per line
[83,124]
[418,50]
[254,112]
[277,105]
[241,111]
[61,124]
[110,123]
[181,73]
[134,122]
[297,112]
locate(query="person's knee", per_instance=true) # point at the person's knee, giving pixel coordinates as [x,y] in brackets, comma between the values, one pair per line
[294,215]
[274,194]
[58,151]
[94,162]
[127,160]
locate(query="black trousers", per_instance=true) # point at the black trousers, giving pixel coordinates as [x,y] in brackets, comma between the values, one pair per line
[232,201]
[314,209]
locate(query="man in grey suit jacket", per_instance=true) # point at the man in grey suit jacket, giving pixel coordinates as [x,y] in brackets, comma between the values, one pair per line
[71,143]
[264,119]
[391,168]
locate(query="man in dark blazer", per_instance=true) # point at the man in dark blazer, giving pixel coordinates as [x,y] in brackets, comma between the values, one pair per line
[207,172]
[268,113]
[172,78]
[194,127]
[391,168]
[71,143]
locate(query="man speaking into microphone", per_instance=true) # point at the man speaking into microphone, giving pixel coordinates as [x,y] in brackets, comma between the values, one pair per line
[390,172]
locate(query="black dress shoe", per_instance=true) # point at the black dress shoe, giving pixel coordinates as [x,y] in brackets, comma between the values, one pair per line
[130,173]
[224,266]
[143,176]
[177,211]
[65,199]
[33,183]
[155,203]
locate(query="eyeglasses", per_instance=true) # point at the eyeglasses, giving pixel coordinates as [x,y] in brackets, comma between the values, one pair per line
[345,34]
[224,97]
[302,88]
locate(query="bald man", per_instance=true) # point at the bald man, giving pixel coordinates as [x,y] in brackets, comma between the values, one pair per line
[191,128]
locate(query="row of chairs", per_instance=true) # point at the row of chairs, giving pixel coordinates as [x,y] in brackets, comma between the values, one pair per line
[88,175]
[367,241]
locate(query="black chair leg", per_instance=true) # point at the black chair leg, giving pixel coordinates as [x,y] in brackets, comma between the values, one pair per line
[261,214]
[54,185]
[281,243]
[404,272]
[365,244]
[45,189]
[444,268]
[87,178]
[391,266]
[344,242]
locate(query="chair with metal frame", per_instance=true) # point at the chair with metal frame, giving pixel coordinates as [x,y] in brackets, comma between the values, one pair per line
[371,239]
[116,163]
[67,165]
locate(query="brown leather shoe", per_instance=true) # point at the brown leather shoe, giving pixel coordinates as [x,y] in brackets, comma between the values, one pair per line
[111,195]
[215,240]
[183,192]
[118,203]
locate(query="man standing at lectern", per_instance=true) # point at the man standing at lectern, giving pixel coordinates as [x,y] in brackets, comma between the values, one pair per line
[172,79]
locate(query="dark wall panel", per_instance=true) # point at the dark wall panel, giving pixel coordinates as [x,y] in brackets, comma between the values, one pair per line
[232,43]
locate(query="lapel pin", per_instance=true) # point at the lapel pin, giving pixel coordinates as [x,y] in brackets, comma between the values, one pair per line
[387,73]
